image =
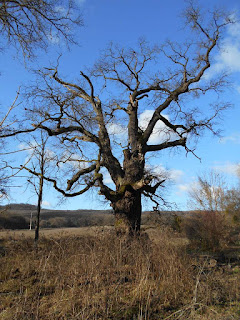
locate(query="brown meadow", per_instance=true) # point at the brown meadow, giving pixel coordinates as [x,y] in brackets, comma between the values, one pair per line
[97,275]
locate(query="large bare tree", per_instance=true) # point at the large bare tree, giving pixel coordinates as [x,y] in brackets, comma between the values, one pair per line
[102,116]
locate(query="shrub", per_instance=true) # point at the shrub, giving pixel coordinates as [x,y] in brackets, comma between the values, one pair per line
[206,230]
[232,205]
[176,223]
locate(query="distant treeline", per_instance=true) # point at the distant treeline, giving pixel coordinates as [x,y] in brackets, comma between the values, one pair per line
[18,216]
[8,221]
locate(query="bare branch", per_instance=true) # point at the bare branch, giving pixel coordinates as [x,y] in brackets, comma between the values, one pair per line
[80,173]
[167,144]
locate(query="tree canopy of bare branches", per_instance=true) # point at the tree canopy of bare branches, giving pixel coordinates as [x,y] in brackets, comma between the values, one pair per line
[34,24]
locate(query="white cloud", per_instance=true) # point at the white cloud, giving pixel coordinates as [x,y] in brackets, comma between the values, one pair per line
[53,38]
[46,204]
[229,56]
[227,60]
[50,154]
[107,178]
[24,146]
[234,138]
[159,170]
[33,145]
[117,129]
[81,2]
[176,175]
[234,28]
[186,187]
[61,9]
[74,159]
[228,168]
[118,132]
[29,148]
[160,132]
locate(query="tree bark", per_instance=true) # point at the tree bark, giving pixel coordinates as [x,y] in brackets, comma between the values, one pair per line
[127,213]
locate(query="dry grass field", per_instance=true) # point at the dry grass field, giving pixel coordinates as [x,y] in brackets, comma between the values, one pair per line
[89,273]
[51,233]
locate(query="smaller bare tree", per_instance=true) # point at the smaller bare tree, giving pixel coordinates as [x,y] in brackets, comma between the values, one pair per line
[209,192]
[39,161]
[220,211]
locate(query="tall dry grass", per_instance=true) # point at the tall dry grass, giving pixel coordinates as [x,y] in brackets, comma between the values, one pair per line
[106,277]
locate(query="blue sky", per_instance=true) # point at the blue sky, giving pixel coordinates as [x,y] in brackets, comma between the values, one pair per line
[124,22]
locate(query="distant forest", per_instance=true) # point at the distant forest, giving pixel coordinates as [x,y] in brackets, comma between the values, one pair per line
[19,216]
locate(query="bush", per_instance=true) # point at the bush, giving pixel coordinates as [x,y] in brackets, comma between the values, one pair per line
[176,223]
[232,205]
[206,230]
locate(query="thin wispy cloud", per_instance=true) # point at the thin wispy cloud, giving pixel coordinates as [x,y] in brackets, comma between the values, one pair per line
[234,138]
[61,9]
[46,203]
[174,175]
[228,59]
[234,29]
[228,168]
[184,188]
[80,2]
[74,160]
[117,129]
[53,38]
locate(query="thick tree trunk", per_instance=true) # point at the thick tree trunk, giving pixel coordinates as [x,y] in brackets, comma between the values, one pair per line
[127,213]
